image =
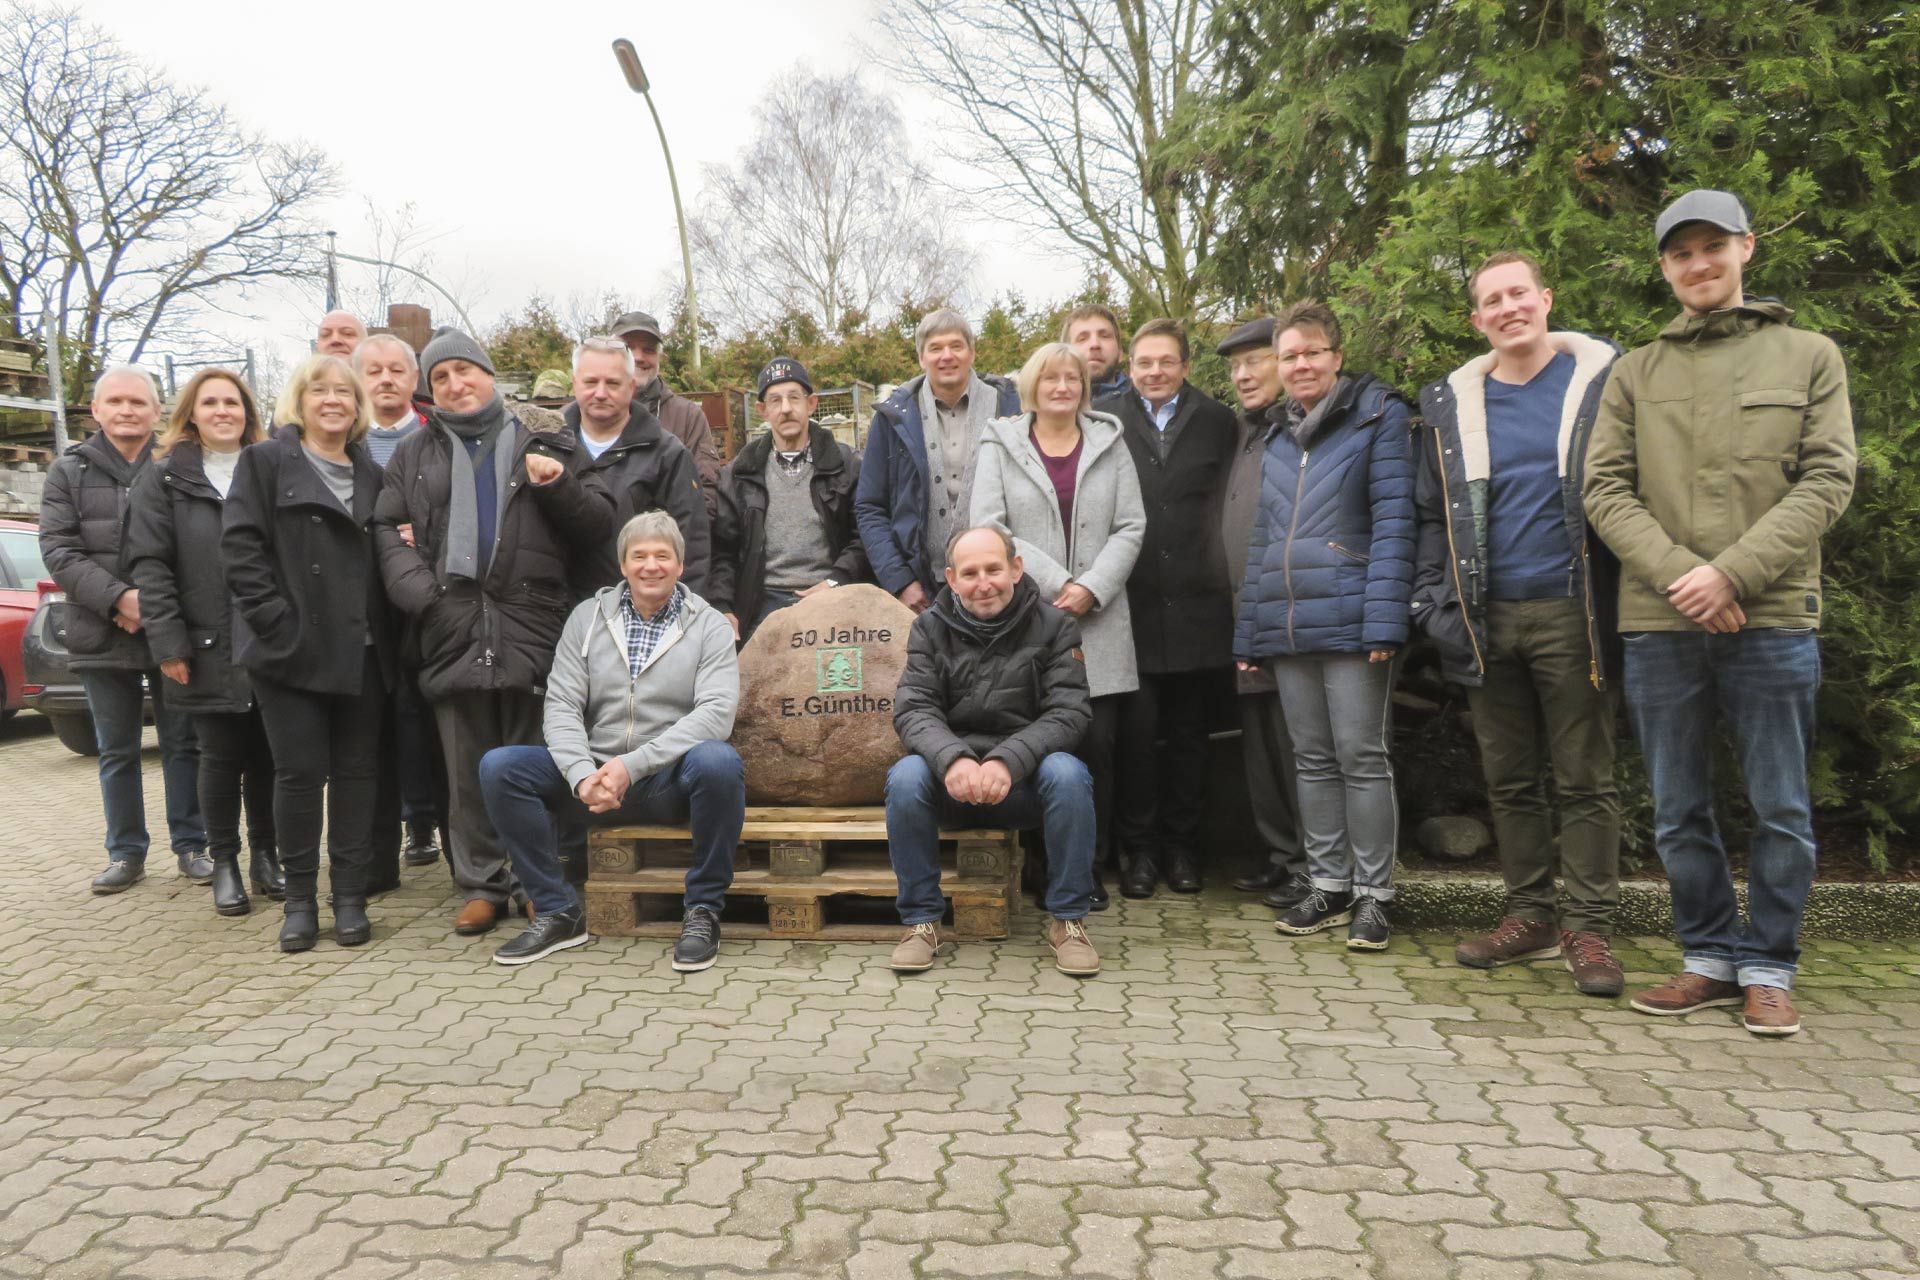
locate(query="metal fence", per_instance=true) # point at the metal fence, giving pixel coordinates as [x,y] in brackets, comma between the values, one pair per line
[843,411]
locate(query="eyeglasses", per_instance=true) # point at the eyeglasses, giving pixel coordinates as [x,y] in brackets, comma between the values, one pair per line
[1308,353]
[1251,360]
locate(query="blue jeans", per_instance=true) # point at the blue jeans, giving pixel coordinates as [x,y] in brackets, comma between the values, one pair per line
[114,698]
[537,814]
[1762,683]
[1058,799]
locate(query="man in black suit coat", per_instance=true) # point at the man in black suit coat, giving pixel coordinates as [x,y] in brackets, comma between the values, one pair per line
[1182,442]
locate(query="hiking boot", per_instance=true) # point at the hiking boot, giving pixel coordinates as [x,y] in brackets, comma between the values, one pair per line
[1685,992]
[1513,939]
[1320,909]
[1370,928]
[1589,958]
[1770,1012]
[1073,951]
[699,944]
[917,949]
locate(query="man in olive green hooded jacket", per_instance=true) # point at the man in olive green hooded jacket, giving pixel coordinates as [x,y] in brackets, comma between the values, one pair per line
[1722,452]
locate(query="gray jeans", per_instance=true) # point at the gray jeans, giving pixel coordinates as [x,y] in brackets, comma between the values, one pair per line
[1339,712]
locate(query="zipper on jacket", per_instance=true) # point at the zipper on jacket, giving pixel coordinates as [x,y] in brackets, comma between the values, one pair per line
[1453,558]
[1593,625]
[1293,526]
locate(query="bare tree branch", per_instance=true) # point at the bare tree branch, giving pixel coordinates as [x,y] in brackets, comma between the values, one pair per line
[128,204]
[1067,100]
[823,215]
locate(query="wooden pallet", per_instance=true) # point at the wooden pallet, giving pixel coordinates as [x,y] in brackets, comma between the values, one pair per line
[798,873]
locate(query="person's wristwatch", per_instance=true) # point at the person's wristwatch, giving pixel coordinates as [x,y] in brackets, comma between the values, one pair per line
[828,582]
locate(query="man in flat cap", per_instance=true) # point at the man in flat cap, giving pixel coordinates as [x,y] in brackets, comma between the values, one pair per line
[482,515]
[786,526]
[1265,751]
[1722,452]
[683,419]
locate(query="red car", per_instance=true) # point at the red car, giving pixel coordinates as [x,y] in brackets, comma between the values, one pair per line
[20,572]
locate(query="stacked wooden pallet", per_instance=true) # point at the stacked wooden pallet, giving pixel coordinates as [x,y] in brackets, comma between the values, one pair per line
[798,873]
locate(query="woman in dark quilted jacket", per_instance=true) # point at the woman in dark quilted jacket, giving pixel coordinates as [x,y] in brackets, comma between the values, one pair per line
[1325,607]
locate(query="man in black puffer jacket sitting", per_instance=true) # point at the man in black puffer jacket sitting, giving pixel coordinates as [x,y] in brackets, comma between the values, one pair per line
[991,705]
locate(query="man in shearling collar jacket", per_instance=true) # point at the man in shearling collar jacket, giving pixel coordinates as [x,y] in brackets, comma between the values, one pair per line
[1505,584]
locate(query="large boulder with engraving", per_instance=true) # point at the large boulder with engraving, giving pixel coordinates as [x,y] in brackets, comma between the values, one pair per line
[816,699]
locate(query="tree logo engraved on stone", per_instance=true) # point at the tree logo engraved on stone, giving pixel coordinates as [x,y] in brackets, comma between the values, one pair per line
[838,670]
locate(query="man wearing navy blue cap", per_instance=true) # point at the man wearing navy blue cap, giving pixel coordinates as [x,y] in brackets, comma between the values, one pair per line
[785,527]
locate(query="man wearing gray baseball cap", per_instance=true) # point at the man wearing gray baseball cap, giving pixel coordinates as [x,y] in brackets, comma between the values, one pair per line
[1723,450]
[684,420]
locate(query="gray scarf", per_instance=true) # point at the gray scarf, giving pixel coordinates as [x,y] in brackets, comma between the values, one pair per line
[1303,423]
[485,424]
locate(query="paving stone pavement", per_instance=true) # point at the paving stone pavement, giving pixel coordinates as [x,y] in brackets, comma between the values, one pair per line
[177,1099]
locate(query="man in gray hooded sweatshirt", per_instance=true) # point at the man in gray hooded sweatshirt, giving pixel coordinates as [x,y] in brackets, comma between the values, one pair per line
[482,514]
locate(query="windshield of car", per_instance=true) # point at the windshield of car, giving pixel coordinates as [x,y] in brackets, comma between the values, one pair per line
[21,551]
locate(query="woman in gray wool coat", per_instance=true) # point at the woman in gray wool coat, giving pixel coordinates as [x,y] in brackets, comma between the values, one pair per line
[1058,477]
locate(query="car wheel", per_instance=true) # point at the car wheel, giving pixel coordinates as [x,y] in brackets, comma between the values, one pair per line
[76,734]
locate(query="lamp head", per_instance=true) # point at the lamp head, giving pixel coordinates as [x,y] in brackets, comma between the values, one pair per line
[629,59]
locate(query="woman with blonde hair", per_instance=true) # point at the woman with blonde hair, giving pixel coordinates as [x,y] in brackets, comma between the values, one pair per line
[311,627]
[174,518]
[1058,477]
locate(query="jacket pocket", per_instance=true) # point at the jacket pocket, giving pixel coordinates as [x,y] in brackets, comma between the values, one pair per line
[1350,554]
[1770,423]
[79,628]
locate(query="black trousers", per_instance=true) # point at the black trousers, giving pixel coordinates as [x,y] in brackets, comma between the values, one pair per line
[1096,749]
[324,744]
[411,786]
[236,763]
[1162,764]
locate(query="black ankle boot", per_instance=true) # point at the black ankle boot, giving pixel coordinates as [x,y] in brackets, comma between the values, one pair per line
[351,928]
[263,868]
[229,890]
[301,928]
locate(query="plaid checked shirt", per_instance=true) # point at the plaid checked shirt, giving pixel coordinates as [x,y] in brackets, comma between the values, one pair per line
[643,637]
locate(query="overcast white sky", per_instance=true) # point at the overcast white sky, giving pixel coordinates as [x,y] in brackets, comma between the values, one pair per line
[510,128]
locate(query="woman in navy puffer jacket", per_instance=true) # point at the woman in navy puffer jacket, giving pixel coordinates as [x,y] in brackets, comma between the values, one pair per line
[1325,606]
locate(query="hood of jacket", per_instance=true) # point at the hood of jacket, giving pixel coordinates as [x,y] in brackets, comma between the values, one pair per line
[1363,395]
[1591,357]
[1732,322]
[1026,598]
[97,449]
[1098,433]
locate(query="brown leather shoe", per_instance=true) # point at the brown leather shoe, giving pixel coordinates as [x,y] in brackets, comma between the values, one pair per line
[1770,1012]
[478,916]
[1589,958]
[1685,993]
[1513,939]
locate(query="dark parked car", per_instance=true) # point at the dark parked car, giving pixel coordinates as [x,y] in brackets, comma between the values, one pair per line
[51,688]
[20,571]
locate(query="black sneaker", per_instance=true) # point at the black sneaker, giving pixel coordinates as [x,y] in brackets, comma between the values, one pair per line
[1289,893]
[420,850]
[546,935]
[699,944]
[1320,909]
[1370,926]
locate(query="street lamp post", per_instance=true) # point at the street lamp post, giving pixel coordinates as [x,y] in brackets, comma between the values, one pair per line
[636,75]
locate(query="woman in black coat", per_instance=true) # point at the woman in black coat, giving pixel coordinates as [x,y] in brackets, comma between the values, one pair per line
[311,627]
[172,551]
